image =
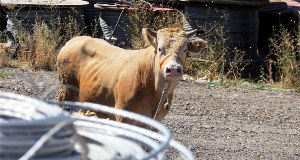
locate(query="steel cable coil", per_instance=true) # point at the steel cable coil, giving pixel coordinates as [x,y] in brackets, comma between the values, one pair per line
[33,129]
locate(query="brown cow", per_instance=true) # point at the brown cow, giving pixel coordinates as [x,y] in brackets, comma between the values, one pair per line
[126,79]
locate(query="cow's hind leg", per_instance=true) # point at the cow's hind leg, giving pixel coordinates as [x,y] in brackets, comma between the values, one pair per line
[62,96]
[69,90]
[67,95]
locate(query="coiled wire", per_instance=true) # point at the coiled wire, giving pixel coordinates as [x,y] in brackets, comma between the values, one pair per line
[30,128]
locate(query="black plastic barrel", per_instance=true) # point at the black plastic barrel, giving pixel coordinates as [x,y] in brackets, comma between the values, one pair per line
[240,28]
[27,16]
[271,18]
[114,23]
[3,18]
[91,18]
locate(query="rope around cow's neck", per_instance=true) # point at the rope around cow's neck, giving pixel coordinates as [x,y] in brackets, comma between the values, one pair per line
[163,95]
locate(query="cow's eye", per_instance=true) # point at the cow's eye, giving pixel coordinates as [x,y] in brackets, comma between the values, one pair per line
[185,50]
[159,49]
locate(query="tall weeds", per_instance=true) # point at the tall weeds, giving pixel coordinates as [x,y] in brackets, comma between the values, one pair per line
[285,51]
[218,61]
[45,45]
[38,47]
[145,17]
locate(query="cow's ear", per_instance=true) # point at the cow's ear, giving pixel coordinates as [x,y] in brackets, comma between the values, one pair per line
[191,33]
[149,36]
[197,45]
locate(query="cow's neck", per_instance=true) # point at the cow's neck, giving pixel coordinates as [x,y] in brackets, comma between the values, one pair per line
[160,82]
[155,80]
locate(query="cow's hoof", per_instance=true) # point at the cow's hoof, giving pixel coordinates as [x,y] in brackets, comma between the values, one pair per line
[167,106]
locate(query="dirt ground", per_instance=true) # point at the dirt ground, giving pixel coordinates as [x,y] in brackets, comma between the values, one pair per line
[214,122]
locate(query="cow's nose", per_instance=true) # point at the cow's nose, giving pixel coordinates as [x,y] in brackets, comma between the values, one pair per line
[173,71]
[168,70]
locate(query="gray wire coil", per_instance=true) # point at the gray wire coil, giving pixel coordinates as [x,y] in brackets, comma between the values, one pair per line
[33,129]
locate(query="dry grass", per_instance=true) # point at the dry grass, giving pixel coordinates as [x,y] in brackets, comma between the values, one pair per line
[217,61]
[44,54]
[37,48]
[146,18]
[5,55]
[284,47]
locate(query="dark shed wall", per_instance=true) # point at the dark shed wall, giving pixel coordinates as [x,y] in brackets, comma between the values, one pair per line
[241,26]
[3,19]
[271,18]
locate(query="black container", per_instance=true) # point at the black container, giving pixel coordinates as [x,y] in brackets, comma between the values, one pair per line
[114,23]
[240,26]
[271,18]
[91,18]
[3,18]
[27,16]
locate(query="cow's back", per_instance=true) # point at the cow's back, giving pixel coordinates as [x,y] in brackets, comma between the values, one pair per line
[80,48]
[73,56]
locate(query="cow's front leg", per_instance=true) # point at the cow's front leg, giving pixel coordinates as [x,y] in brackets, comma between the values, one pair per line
[165,109]
[123,106]
[119,105]
[167,105]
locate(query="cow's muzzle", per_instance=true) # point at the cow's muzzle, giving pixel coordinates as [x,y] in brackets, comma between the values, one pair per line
[173,72]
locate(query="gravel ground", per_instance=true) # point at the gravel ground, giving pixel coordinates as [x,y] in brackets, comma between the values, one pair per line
[214,122]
